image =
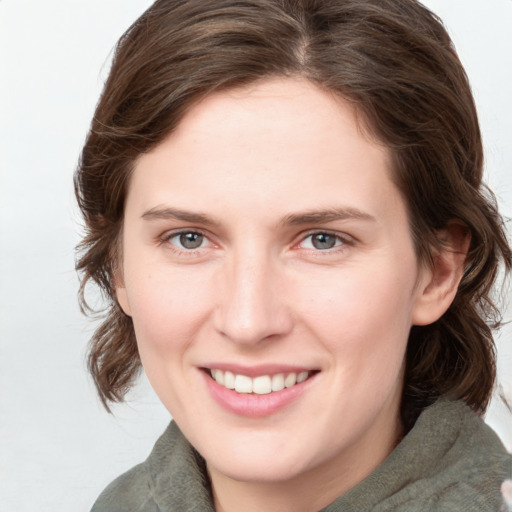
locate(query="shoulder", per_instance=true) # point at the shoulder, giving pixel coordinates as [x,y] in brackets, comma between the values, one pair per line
[463,461]
[450,461]
[474,467]
[133,490]
[130,492]
[172,478]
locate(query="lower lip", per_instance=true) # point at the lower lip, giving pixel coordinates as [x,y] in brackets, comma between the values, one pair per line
[254,405]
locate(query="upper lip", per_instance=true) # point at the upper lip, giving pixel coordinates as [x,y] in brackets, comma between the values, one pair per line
[257,370]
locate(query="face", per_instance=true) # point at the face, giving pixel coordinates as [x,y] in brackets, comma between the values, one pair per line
[265,244]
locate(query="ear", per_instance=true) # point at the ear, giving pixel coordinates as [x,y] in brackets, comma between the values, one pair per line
[121,295]
[438,285]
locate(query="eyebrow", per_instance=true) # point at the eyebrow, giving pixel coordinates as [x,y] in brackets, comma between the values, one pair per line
[159,213]
[328,215]
[293,219]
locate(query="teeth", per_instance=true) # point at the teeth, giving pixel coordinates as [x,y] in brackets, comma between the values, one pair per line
[301,377]
[229,380]
[278,382]
[261,385]
[291,380]
[243,384]
[218,375]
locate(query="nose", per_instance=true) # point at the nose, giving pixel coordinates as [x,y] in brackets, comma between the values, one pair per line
[251,303]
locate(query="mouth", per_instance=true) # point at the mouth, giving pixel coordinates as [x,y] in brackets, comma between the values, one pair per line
[257,391]
[260,384]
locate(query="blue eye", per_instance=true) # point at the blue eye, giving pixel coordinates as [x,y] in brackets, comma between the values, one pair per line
[187,240]
[322,241]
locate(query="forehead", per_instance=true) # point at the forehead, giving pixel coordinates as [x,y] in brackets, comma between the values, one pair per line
[277,142]
[265,111]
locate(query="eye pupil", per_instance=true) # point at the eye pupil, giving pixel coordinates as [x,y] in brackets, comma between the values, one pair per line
[323,241]
[191,240]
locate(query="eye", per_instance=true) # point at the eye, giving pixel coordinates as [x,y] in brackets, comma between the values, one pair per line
[322,241]
[188,240]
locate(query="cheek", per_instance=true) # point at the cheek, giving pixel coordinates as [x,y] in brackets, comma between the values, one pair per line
[363,317]
[358,298]
[167,310]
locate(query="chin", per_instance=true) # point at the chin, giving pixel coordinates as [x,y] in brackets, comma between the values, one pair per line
[262,458]
[257,470]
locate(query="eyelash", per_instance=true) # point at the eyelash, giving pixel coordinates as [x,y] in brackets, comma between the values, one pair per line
[341,241]
[167,237]
[344,241]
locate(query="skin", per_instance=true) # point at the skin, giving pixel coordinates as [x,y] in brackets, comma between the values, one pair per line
[252,162]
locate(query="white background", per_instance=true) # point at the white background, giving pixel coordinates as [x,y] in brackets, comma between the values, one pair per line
[58,447]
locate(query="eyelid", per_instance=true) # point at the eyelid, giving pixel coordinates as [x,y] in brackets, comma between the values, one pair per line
[166,237]
[346,240]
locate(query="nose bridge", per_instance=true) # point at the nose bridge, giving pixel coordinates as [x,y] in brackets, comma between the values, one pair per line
[251,308]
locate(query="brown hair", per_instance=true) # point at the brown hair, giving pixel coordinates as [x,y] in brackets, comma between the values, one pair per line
[392,59]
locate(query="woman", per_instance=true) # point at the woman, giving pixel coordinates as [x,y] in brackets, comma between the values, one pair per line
[284,207]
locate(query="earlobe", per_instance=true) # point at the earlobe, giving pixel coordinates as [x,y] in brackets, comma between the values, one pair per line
[121,295]
[122,300]
[439,284]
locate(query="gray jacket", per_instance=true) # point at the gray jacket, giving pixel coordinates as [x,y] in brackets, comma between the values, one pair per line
[451,461]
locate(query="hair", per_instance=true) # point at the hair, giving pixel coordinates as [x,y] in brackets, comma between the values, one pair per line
[394,61]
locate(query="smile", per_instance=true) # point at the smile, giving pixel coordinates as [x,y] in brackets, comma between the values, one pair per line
[260,385]
[257,391]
